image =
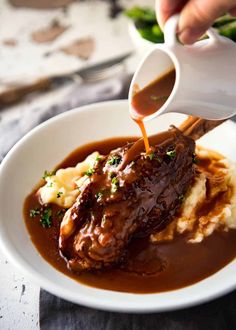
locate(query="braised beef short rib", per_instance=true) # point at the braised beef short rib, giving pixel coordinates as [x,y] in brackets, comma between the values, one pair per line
[122,199]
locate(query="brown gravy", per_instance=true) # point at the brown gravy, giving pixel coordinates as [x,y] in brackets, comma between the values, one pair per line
[150,99]
[149,268]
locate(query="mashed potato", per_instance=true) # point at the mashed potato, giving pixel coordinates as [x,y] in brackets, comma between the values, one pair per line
[63,187]
[210,203]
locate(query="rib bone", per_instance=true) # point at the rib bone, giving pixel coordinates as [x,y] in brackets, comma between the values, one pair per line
[195,127]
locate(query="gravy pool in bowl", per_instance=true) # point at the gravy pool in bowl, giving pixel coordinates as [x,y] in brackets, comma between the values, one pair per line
[198,242]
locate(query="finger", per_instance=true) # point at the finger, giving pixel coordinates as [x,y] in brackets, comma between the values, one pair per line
[198,15]
[166,8]
[232,11]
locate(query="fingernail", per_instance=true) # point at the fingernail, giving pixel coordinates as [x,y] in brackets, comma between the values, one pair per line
[189,36]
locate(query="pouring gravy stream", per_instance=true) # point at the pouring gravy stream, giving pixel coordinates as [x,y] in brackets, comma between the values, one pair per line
[150,99]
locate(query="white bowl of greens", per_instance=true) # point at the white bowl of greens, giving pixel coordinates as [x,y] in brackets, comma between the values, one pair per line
[145,31]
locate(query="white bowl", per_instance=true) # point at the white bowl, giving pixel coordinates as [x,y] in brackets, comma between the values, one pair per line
[46,146]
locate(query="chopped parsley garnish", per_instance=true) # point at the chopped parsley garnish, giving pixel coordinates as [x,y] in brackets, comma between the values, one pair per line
[90,172]
[159,97]
[47,174]
[114,160]
[114,184]
[181,198]
[34,213]
[59,194]
[171,153]
[195,160]
[50,184]
[99,195]
[151,155]
[98,158]
[46,218]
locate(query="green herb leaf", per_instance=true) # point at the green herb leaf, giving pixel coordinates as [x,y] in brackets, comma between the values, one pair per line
[171,153]
[47,174]
[144,14]
[90,172]
[114,184]
[34,213]
[151,155]
[114,160]
[50,184]
[159,98]
[99,195]
[59,194]
[98,158]
[46,218]
[181,198]
[194,158]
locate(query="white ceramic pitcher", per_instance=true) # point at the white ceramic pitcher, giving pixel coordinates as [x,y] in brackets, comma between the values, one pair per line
[205,84]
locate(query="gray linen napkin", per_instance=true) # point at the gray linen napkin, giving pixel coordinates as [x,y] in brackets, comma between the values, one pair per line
[58,314]
[77,95]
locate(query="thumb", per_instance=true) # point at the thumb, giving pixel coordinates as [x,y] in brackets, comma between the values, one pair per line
[166,8]
[198,15]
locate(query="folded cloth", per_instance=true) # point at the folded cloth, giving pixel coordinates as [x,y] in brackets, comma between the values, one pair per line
[76,95]
[58,314]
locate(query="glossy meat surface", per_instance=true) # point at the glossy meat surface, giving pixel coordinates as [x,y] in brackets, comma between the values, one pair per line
[118,203]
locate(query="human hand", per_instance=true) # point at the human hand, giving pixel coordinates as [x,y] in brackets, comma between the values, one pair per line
[196,16]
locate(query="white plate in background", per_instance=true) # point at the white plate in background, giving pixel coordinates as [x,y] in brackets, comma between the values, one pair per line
[27,61]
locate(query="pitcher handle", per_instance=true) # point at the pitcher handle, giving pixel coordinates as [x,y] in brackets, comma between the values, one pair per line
[213,35]
[170,31]
[171,28]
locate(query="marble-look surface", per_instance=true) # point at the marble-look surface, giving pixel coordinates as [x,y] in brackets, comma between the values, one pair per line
[19,297]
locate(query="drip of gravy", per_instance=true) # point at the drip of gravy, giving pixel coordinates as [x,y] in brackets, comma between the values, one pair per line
[148,267]
[139,146]
[150,99]
[144,134]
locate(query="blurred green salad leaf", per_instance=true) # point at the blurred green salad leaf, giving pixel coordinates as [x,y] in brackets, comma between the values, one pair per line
[144,14]
[145,21]
[228,30]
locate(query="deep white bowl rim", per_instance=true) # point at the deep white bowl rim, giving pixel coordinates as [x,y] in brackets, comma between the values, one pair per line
[18,260]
